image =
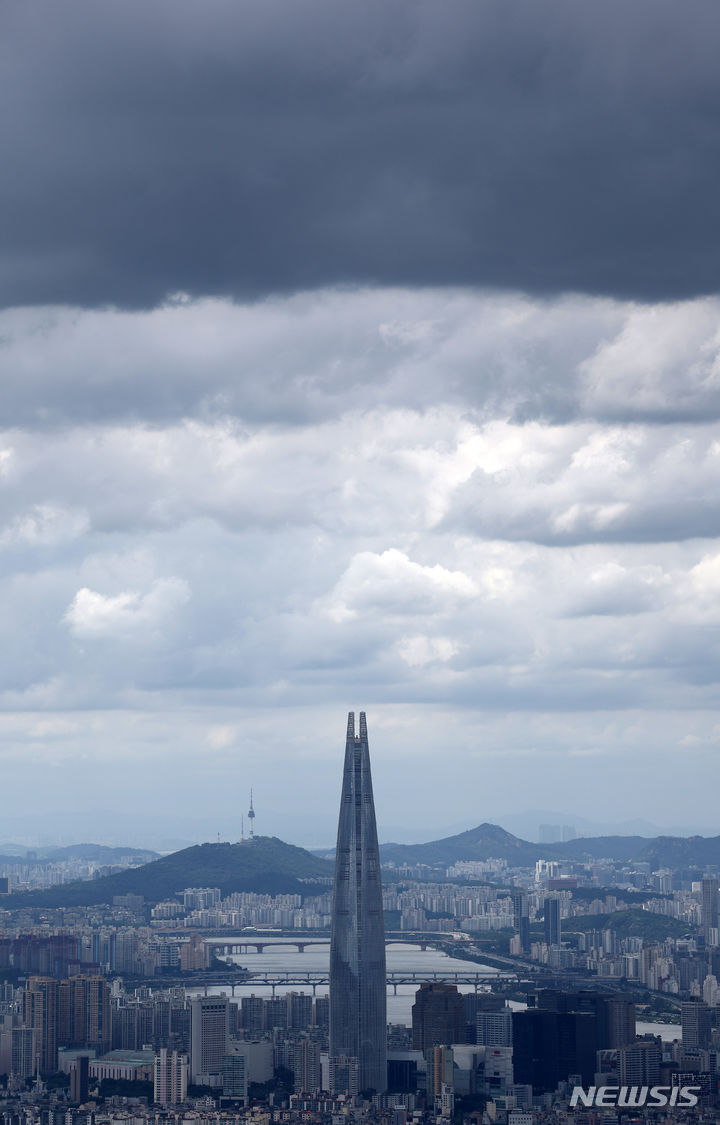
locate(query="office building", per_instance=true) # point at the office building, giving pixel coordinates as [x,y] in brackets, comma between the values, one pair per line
[80,1079]
[235,1076]
[551,910]
[358,1018]
[479,1002]
[696,1023]
[551,1046]
[521,919]
[209,1035]
[614,1015]
[709,890]
[438,1016]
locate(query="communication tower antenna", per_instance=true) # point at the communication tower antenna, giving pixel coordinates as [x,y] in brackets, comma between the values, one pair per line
[251,817]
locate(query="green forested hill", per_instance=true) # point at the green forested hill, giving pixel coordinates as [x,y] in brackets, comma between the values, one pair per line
[629,923]
[264,865]
[489,841]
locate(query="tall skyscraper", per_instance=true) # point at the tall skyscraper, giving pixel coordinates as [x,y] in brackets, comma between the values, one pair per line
[40,1012]
[552,921]
[438,1016]
[710,911]
[209,1034]
[358,1001]
[521,919]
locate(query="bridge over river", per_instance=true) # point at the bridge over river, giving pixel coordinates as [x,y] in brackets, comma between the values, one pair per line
[313,980]
[236,944]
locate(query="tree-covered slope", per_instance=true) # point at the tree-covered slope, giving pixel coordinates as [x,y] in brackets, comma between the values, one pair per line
[265,865]
[487,841]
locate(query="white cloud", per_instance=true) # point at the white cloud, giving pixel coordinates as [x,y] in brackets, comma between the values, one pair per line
[222,736]
[454,510]
[129,613]
[662,358]
[420,650]
[395,585]
[45,525]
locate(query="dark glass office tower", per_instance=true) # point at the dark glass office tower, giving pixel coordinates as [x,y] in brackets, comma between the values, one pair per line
[358,1016]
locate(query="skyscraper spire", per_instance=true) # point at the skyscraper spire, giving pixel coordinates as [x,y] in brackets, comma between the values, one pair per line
[358,1001]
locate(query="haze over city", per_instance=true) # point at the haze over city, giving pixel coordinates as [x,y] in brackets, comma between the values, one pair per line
[358,357]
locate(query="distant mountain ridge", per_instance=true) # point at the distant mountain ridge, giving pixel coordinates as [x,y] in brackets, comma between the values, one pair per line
[489,841]
[99,853]
[265,865]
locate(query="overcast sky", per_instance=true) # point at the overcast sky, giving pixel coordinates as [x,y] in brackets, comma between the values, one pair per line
[358,356]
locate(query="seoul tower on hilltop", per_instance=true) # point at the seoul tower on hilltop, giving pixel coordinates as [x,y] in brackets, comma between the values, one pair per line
[251,818]
[358,997]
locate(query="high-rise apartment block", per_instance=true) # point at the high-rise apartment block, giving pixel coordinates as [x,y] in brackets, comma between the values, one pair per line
[84,1016]
[171,1077]
[40,1012]
[358,1003]
[494,1029]
[305,1058]
[639,1063]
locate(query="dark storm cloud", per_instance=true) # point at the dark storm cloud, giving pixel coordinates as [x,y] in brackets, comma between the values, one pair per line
[256,146]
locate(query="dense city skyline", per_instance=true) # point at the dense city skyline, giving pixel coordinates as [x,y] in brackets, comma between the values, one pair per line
[359,353]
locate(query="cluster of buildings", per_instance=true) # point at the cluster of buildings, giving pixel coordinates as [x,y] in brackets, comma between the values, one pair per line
[31,872]
[683,966]
[334,1059]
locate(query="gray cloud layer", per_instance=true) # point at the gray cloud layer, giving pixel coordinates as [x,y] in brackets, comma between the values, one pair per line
[241,147]
[492,521]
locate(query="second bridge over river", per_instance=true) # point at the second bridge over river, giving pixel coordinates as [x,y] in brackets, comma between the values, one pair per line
[314,980]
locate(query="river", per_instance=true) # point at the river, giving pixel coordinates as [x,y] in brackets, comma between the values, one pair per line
[401,958]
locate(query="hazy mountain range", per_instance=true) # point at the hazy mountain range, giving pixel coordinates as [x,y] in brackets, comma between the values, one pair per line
[268,865]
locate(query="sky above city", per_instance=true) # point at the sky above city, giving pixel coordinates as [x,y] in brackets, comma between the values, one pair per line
[358,357]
